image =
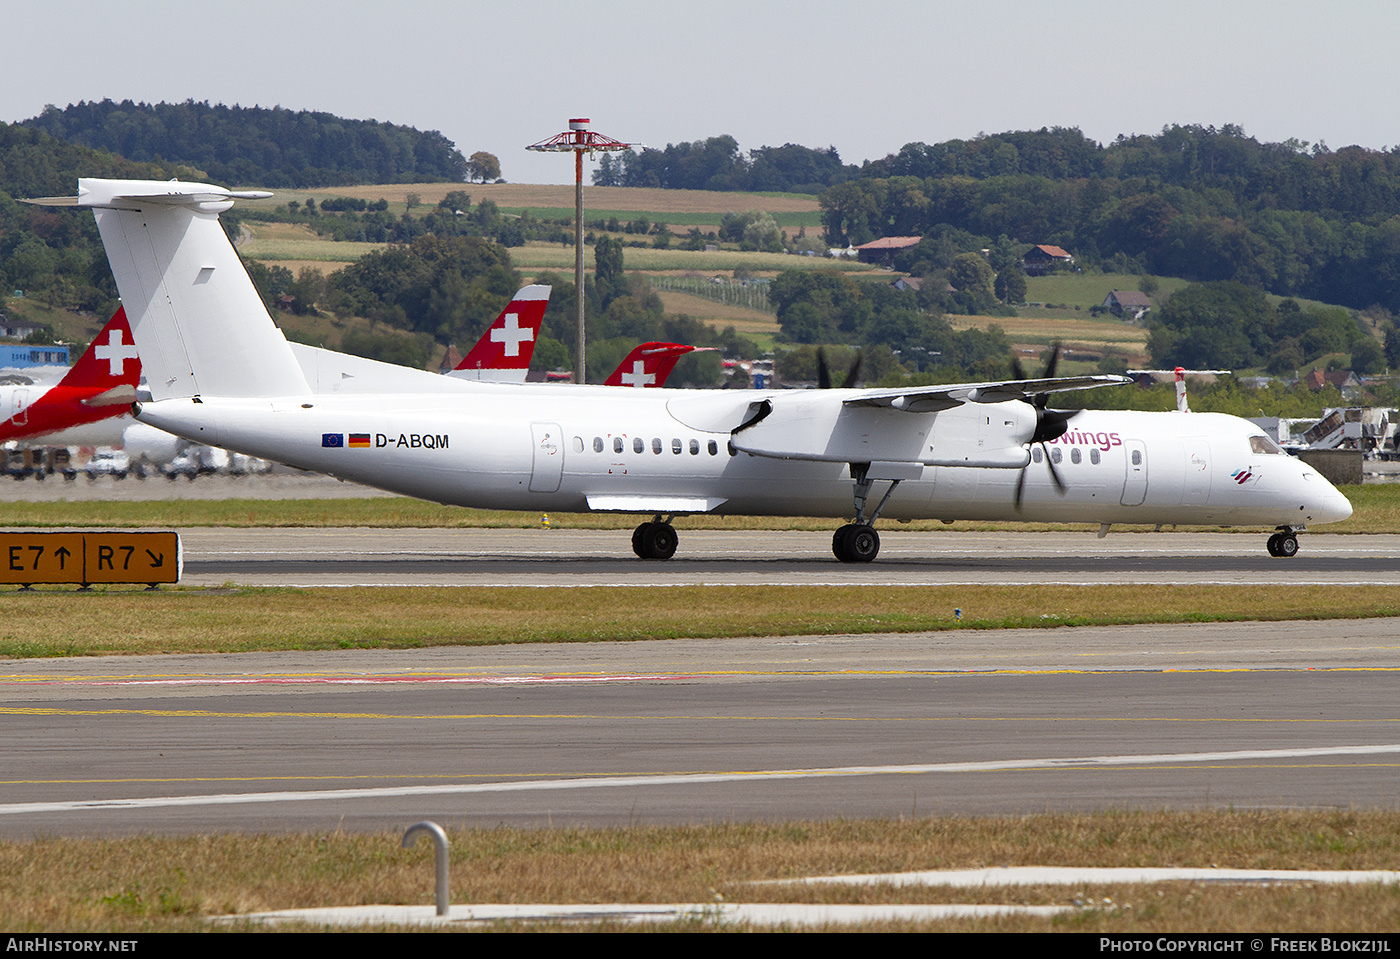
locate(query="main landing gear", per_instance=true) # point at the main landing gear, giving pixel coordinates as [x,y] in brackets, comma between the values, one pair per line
[655,540]
[1284,542]
[858,542]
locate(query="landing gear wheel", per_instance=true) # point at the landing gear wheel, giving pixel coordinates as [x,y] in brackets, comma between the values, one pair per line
[1283,544]
[655,541]
[856,543]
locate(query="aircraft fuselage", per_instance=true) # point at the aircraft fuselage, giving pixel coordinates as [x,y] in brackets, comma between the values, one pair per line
[572,448]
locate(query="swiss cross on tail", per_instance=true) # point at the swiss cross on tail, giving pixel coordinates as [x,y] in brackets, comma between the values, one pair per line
[648,365]
[510,341]
[110,361]
[100,386]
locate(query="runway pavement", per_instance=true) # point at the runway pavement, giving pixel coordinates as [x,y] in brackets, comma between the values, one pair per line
[562,557]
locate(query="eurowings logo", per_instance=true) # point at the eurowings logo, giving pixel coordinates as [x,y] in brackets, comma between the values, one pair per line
[1242,476]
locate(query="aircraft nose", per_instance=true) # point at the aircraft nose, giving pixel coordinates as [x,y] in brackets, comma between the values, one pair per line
[1335,508]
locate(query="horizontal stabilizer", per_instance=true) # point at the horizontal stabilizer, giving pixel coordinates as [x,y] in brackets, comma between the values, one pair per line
[199,324]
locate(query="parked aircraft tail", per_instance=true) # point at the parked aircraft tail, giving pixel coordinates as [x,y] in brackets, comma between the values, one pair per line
[110,363]
[648,365]
[505,349]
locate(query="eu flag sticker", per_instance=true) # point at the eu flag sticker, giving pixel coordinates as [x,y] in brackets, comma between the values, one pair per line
[333,440]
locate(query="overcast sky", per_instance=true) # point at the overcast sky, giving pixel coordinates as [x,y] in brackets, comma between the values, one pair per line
[865,78]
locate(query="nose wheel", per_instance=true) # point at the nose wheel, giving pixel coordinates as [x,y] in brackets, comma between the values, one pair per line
[1283,543]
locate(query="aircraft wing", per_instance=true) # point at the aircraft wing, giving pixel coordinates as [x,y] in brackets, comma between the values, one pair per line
[931,399]
[875,426]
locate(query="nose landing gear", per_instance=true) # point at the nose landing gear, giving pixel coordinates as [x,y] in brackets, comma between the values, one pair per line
[1284,542]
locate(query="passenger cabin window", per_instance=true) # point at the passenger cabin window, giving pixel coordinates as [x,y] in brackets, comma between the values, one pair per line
[656,445]
[1056,455]
[1094,456]
[1037,455]
[638,445]
[597,444]
[1137,457]
[694,447]
[714,448]
[617,444]
[578,444]
[676,446]
[1074,456]
[1262,444]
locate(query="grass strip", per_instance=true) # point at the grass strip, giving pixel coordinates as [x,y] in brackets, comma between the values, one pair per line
[1377,510]
[157,884]
[60,622]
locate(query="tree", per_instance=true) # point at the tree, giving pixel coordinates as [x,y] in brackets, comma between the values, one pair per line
[608,278]
[1367,357]
[483,166]
[1011,285]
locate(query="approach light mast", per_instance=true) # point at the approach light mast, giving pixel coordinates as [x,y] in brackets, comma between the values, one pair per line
[579,139]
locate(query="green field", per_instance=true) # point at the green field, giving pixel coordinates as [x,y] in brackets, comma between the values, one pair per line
[1085,290]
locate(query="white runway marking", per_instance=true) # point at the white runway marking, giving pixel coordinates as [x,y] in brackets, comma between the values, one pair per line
[1091,875]
[676,779]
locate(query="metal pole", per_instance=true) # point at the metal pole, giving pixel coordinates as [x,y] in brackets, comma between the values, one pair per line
[434,832]
[578,259]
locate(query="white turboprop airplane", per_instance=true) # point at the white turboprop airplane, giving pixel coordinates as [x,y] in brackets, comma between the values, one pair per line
[220,373]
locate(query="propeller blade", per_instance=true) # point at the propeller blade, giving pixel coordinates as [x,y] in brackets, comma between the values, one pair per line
[1054,473]
[1053,363]
[854,374]
[823,372]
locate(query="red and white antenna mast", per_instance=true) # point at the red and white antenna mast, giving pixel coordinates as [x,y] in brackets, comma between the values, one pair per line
[579,139]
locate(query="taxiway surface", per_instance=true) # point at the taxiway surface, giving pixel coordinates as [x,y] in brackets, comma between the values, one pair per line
[977,722]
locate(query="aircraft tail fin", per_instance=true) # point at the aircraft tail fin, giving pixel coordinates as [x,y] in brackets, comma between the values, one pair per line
[505,349]
[197,320]
[648,365]
[110,363]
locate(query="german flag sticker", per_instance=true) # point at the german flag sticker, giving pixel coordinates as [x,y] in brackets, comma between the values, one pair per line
[359,441]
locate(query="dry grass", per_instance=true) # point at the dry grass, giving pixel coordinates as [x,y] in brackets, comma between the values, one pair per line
[171,884]
[556,257]
[1070,331]
[743,320]
[562,195]
[59,622]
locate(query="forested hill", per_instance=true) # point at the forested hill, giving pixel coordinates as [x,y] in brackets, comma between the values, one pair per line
[271,147]
[1196,202]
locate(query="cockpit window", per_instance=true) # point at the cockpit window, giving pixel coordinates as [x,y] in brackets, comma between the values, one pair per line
[1262,444]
